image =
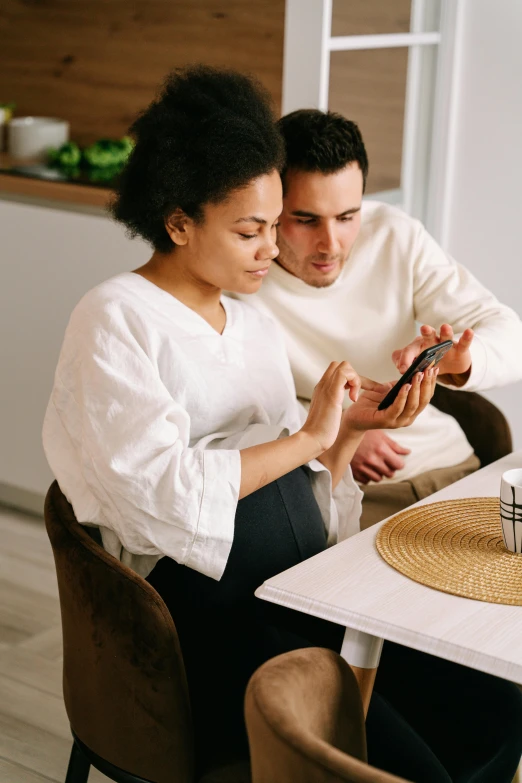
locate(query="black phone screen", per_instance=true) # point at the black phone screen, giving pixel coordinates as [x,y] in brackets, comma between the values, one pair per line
[428,358]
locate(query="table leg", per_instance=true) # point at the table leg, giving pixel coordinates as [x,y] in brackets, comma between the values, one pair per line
[362,651]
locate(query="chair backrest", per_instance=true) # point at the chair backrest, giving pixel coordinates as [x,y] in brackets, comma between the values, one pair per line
[484,425]
[305,721]
[124,680]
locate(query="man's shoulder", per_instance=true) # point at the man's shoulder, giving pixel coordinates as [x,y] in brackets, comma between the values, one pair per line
[387,226]
[378,213]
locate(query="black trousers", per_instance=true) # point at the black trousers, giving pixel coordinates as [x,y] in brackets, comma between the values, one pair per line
[430,720]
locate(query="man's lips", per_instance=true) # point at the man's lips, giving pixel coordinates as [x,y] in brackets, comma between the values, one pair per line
[325,267]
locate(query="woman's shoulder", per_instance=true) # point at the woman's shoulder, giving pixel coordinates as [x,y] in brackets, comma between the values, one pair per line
[113,300]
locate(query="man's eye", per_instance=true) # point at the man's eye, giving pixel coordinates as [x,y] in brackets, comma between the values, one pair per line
[346,219]
[248,236]
[306,222]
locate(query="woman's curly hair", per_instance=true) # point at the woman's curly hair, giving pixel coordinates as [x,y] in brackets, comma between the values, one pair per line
[210,132]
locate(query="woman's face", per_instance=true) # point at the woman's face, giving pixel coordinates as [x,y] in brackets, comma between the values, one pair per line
[233,247]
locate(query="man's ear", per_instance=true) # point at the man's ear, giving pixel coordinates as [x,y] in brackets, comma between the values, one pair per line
[176,226]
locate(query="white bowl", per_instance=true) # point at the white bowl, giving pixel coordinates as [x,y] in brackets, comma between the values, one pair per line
[32,137]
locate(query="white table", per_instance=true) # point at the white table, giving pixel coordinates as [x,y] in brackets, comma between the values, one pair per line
[351,585]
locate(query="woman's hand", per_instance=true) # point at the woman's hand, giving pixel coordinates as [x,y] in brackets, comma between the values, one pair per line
[326,407]
[411,400]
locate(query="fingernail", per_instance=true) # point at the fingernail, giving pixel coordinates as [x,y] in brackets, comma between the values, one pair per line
[419,377]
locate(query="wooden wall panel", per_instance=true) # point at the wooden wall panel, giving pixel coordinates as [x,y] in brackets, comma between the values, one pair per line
[370,17]
[369,87]
[96,63]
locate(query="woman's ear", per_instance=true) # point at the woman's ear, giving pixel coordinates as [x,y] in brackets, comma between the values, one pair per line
[176,226]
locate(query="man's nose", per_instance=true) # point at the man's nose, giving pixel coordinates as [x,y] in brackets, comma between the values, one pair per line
[328,241]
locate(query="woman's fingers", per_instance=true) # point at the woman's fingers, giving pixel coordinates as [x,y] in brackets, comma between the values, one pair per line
[368,385]
[338,377]
[423,385]
[329,372]
[395,410]
[428,387]
[350,380]
[412,401]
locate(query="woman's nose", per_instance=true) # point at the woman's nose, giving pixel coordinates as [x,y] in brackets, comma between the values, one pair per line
[269,250]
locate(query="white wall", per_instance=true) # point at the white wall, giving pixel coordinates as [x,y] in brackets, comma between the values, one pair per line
[486,210]
[48,260]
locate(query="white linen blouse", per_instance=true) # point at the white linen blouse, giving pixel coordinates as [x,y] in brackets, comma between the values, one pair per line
[149,409]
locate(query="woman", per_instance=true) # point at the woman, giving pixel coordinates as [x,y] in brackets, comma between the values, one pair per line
[173,424]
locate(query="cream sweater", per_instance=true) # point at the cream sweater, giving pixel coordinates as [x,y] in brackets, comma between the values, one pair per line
[395,276]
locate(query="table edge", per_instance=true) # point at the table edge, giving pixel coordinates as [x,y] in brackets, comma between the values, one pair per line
[417,641]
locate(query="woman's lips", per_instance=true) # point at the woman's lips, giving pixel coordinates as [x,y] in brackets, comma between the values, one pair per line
[260,272]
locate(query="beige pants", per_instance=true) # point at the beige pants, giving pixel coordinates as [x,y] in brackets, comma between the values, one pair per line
[383,500]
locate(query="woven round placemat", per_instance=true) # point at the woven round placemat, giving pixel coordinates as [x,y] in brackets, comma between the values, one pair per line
[455,546]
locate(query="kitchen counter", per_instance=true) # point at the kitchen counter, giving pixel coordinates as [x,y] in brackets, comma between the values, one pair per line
[79,197]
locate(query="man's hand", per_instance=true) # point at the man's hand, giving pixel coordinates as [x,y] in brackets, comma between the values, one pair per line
[454,367]
[376,457]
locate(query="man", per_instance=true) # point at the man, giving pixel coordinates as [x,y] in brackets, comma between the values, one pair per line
[351,281]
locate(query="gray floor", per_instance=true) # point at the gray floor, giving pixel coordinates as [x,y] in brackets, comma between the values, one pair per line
[34,732]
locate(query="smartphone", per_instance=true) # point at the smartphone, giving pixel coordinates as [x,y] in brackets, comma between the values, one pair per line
[428,358]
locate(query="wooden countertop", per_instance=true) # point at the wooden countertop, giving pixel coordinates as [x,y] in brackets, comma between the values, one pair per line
[65,193]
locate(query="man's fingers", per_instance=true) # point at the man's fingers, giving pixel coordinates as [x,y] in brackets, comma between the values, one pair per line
[428,331]
[446,333]
[397,448]
[465,341]
[393,462]
[370,474]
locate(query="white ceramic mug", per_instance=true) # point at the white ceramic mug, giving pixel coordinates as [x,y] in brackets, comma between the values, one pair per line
[511,509]
[32,137]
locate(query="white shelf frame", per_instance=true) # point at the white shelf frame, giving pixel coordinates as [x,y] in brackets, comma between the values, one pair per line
[429,122]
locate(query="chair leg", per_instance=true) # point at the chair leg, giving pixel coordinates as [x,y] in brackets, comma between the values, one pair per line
[79,766]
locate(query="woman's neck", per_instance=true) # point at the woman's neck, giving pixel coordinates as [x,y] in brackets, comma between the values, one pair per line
[174,277]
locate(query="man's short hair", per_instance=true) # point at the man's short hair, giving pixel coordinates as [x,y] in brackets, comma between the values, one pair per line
[322,141]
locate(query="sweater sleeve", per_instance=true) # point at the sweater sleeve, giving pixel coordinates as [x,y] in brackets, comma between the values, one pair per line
[446,292]
[158,495]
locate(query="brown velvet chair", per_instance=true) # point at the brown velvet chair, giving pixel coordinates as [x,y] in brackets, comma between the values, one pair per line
[484,425]
[305,722]
[124,681]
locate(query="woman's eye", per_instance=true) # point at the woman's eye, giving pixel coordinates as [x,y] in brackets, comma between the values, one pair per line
[248,236]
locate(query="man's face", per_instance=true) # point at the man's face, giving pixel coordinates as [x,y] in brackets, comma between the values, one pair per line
[320,221]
